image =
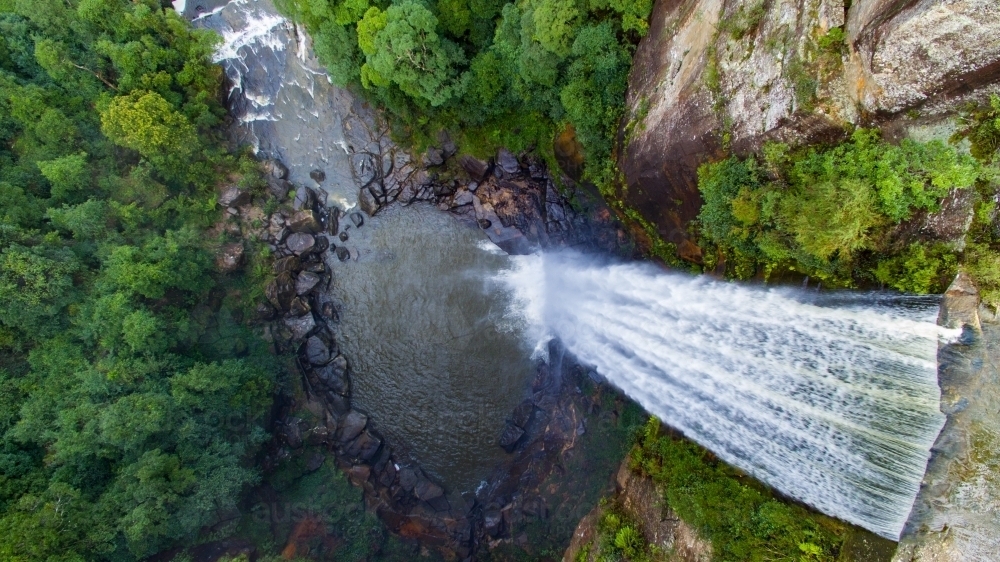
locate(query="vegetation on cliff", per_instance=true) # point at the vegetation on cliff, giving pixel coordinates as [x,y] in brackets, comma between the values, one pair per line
[493,73]
[742,519]
[131,396]
[835,213]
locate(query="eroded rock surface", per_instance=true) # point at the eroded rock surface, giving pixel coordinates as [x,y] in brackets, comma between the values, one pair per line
[725,71]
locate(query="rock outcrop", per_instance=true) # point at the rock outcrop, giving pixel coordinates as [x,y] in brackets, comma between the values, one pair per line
[642,502]
[725,73]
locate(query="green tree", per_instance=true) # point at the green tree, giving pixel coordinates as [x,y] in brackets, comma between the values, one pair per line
[408,52]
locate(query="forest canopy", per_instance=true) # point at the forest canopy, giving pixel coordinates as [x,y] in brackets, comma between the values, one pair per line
[493,73]
[130,403]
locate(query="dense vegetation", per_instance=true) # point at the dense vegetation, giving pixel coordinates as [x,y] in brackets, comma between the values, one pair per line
[742,519]
[493,73]
[836,213]
[980,126]
[130,394]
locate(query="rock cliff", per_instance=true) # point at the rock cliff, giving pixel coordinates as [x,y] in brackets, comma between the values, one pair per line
[718,75]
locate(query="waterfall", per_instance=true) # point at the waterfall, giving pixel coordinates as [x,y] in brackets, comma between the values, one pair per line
[832,403]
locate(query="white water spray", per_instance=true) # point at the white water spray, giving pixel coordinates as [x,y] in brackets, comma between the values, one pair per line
[834,406]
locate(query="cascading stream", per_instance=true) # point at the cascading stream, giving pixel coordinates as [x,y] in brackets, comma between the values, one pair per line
[836,405]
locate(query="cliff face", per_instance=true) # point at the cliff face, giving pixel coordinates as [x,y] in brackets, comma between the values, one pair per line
[731,73]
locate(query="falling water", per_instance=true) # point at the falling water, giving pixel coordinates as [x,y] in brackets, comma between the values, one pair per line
[836,406]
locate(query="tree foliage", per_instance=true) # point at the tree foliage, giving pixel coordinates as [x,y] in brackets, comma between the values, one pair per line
[123,429]
[482,68]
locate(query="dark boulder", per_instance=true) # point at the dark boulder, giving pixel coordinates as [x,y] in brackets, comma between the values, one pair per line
[433,157]
[275,169]
[365,447]
[407,478]
[522,414]
[279,188]
[493,521]
[476,168]
[344,236]
[343,254]
[298,307]
[316,351]
[280,291]
[233,197]
[305,221]
[364,168]
[508,162]
[322,245]
[306,282]
[292,433]
[354,423]
[318,176]
[427,490]
[485,223]
[333,221]
[329,311]
[301,243]
[510,437]
[291,264]
[305,198]
[367,201]
[265,311]
[301,326]
[358,219]
[314,462]
[333,376]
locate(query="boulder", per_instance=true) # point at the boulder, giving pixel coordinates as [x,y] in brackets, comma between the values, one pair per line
[448,146]
[522,414]
[493,521]
[265,312]
[305,221]
[279,188]
[367,201]
[333,376]
[233,197]
[300,326]
[364,168]
[960,305]
[322,245]
[354,423]
[344,236]
[305,198]
[462,197]
[280,291]
[298,307]
[314,462]
[318,176]
[316,351]
[291,264]
[407,478]
[292,433]
[365,447]
[230,257]
[306,282]
[329,312]
[433,157]
[275,169]
[333,221]
[427,490]
[318,267]
[358,219]
[301,243]
[476,168]
[510,436]
[508,162]
[343,254]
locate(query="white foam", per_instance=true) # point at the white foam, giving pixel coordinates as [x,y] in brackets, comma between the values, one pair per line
[834,406]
